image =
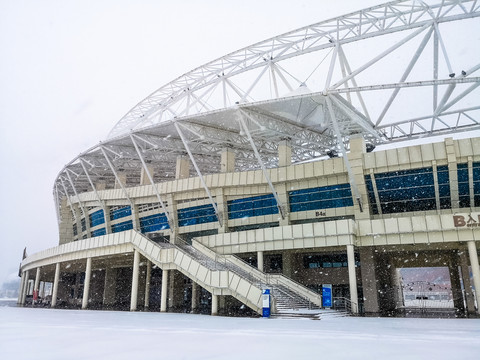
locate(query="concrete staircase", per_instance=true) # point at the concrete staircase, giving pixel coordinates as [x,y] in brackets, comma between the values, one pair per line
[229,275]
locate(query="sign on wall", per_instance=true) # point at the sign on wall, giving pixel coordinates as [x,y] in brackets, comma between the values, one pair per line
[469,220]
[327,295]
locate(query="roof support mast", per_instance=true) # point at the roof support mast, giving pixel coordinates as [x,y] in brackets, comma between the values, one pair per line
[99,199]
[150,178]
[243,126]
[199,173]
[102,148]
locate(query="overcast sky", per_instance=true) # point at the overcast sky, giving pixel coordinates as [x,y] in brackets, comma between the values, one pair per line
[69,70]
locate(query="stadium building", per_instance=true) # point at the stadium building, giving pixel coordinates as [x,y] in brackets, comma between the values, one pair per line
[288,166]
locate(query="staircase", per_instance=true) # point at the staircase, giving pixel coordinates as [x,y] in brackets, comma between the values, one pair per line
[229,275]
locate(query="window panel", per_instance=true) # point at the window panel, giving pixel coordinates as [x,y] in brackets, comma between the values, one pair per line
[155,222]
[320,198]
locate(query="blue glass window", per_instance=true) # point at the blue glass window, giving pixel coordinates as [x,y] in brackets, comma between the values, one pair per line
[463,186]
[97,218]
[75,231]
[407,190]
[153,223]
[99,232]
[252,206]
[120,213]
[444,187]
[321,198]
[123,226]
[84,225]
[196,215]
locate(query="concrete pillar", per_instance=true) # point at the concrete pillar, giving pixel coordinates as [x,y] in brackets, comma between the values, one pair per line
[472,252]
[148,277]
[25,287]
[227,161]
[106,213]
[43,290]
[37,284]
[135,218]
[163,295]
[100,185]
[456,287]
[55,285]
[144,177]
[467,284]
[282,193]
[122,176]
[65,225]
[284,153]
[86,284]
[172,210]
[214,304]
[352,278]
[182,170]
[194,297]
[109,287]
[260,261]
[369,281]
[452,172]
[176,285]
[287,260]
[21,288]
[355,158]
[136,269]
[222,207]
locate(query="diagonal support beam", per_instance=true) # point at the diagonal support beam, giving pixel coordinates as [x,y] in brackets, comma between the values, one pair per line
[68,199]
[75,191]
[99,199]
[344,152]
[150,178]
[199,173]
[116,175]
[244,127]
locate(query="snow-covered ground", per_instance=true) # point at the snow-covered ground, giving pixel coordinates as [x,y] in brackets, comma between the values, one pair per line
[27,333]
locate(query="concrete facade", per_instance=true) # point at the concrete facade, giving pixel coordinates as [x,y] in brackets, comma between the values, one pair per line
[358,248]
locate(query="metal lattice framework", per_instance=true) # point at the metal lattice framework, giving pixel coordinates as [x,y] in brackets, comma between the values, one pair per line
[398,71]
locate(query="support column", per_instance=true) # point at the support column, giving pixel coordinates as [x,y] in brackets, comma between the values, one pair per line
[136,269]
[36,285]
[284,153]
[144,180]
[163,295]
[86,284]
[287,260]
[369,281]
[135,218]
[121,179]
[55,285]
[148,277]
[109,287]
[222,210]
[355,157]
[352,278]
[458,302]
[25,287]
[182,170]
[20,289]
[467,284]
[472,252]
[214,305]
[260,261]
[452,172]
[227,161]
[194,297]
